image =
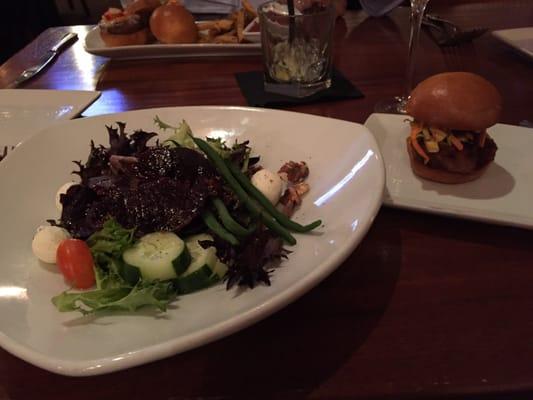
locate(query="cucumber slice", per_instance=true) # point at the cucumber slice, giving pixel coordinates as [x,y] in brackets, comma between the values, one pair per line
[200,273]
[158,255]
[129,273]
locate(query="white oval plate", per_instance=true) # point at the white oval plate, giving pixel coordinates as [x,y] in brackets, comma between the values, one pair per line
[347,180]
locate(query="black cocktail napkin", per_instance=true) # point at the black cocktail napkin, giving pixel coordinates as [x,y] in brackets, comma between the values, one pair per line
[251,84]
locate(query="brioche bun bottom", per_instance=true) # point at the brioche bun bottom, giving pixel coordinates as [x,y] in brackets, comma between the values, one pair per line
[128,39]
[440,175]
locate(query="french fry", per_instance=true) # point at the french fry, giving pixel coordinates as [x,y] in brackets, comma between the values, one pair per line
[229,37]
[204,37]
[227,30]
[240,26]
[249,8]
[233,16]
[225,25]
[219,25]
[212,34]
[205,25]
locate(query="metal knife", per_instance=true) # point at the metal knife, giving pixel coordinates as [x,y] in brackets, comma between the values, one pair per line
[44,60]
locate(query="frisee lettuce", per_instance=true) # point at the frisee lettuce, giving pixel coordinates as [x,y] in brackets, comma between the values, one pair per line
[239,153]
[156,294]
[107,246]
[182,135]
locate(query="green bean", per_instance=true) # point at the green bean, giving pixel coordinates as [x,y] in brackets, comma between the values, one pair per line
[271,223]
[260,197]
[227,220]
[224,171]
[218,229]
[252,206]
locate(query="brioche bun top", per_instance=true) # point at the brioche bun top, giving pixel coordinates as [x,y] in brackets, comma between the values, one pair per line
[456,100]
[173,23]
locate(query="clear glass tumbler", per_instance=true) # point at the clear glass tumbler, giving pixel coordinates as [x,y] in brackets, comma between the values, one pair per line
[296,48]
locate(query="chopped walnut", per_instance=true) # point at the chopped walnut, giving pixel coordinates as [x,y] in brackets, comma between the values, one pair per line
[292,198]
[294,172]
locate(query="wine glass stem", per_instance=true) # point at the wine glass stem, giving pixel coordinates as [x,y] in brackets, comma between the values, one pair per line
[417,12]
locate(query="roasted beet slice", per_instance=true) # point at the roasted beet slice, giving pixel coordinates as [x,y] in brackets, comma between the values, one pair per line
[178,163]
[164,204]
[148,188]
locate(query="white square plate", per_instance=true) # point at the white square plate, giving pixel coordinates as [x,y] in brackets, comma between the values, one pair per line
[95,45]
[502,195]
[24,112]
[346,179]
[521,39]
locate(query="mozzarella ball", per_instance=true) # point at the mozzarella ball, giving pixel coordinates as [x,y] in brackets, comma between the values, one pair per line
[268,183]
[62,190]
[46,241]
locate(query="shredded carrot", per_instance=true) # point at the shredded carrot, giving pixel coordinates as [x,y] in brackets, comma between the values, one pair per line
[417,126]
[456,142]
[482,138]
[415,130]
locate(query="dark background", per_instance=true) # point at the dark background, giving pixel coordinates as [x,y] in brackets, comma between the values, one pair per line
[23,20]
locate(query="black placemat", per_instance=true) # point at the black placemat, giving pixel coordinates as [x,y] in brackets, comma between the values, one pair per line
[251,84]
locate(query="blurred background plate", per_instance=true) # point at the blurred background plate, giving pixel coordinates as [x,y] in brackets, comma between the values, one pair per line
[95,45]
[520,39]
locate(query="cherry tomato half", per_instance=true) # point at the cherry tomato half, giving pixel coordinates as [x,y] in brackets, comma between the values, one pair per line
[75,262]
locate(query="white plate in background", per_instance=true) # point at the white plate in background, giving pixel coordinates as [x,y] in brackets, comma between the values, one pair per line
[520,38]
[24,112]
[502,195]
[346,179]
[95,45]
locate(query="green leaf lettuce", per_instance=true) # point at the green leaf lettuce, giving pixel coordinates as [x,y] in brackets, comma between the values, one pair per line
[112,291]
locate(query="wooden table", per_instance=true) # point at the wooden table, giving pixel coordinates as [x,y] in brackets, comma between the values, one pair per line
[426,307]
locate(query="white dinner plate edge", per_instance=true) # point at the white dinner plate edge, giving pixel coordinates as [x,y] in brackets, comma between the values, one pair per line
[92,97]
[471,214]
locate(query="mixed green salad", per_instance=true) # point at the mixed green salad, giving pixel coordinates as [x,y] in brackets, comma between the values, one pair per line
[147,223]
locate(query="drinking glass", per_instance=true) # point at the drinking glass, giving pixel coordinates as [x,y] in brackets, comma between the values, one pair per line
[296,48]
[398,104]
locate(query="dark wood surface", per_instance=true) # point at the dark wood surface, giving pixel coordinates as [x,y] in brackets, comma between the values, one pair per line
[426,307]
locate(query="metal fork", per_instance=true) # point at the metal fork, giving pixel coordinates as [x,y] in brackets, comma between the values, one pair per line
[452,57]
[446,33]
